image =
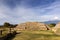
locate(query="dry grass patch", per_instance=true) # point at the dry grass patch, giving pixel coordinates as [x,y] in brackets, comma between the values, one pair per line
[37,35]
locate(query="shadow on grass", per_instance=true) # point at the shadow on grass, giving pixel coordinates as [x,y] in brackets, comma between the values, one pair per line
[9,36]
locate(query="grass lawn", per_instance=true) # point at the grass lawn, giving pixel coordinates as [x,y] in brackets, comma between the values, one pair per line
[37,35]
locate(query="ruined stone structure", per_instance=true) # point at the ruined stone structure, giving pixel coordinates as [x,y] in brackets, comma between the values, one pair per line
[56,27]
[32,26]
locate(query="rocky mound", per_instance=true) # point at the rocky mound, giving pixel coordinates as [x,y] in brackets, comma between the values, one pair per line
[32,26]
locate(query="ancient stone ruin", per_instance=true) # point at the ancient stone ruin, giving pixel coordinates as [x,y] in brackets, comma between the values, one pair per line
[56,27]
[32,26]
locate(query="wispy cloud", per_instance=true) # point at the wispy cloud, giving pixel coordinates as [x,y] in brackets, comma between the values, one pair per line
[18,11]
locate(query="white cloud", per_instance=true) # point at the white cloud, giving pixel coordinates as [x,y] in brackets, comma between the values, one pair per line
[3,10]
[2,16]
[54,13]
[56,17]
[22,14]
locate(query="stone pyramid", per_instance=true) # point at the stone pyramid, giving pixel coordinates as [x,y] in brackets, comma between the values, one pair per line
[32,26]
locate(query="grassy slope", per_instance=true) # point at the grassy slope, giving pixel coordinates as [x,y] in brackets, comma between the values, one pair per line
[36,35]
[4,32]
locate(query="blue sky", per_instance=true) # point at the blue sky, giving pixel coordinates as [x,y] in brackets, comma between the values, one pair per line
[19,11]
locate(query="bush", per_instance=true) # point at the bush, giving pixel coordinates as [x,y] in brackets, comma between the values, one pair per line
[52,25]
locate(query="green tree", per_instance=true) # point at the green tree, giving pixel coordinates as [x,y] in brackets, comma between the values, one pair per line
[13,26]
[52,25]
[8,25]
